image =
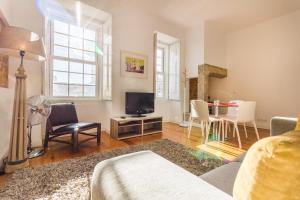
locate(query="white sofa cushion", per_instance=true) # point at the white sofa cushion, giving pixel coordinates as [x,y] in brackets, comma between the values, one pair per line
[146,176]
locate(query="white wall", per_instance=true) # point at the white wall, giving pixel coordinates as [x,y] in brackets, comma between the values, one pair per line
[5,10]
[133,30]
[214,44]
[264,66]
[194,54]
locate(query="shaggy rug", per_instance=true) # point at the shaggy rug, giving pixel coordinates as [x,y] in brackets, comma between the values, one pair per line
[70,179]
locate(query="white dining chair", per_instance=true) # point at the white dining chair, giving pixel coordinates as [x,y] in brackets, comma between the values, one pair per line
[232,112]
[199,111]
[245,114]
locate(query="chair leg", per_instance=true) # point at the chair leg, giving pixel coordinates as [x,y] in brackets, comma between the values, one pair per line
[229,128]
[238,134]
[46,141]
[190,127]
[245,129]
[223,135]
[208,125]
[226,128]
[219,131]
[202,129]
[256,131]
[99,134]
[75,140]
[233,132]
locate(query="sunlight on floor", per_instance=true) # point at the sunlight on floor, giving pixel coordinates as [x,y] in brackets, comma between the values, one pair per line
[221,150]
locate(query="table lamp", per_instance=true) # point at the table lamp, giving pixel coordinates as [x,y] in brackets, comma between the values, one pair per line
[15,41]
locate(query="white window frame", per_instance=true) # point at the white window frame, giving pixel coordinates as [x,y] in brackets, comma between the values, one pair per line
[164,72]
[177,71]
[52,57]
[107,48]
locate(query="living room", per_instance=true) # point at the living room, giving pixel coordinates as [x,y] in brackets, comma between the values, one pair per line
[176,57]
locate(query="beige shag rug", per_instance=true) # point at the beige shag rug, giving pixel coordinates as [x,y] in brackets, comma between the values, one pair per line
[70,179]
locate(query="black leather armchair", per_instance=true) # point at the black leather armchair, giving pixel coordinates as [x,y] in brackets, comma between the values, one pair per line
[63,120]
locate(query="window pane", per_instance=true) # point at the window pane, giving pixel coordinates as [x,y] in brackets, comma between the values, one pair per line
[159,85]
[76,54]
[60,90]
[90,91]
[160,53]
[61,39]
[159,89]
[89,80]
[89,56]
[89,69]
[159,62]
[89,34]
[159,78]
[60,51]
[75,90]
[159,68]
[76,42]
[76,31]
[61,27]
[76,67]
[76,78]
[60,77]
[60,65]
[89,45]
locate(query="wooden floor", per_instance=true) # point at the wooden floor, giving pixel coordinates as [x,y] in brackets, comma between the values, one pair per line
[228,150]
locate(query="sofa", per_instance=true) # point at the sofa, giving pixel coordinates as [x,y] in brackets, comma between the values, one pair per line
[146,175]
[223,177]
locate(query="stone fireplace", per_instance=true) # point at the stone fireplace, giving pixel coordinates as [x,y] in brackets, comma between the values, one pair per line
[206,71]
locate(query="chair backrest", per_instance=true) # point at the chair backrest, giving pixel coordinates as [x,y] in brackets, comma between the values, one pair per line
[199,109]
[232,111]
[62,114]
[246,111]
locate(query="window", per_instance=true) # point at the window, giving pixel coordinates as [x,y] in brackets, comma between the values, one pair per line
[74,60]
[160,72]
[107,61]
[168,71]
[174,72]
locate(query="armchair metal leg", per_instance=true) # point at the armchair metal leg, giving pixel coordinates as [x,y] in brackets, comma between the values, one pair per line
[99,134]
[46,141]
[75,140]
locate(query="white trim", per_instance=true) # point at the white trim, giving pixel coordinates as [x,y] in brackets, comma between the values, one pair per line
[97,62]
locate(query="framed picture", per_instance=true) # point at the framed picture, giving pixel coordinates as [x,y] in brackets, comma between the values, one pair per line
[134,65]
[3,71]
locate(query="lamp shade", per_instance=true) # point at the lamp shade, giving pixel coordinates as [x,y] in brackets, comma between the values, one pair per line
[15,39]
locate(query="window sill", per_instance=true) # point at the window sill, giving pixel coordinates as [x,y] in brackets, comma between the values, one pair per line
[64,99]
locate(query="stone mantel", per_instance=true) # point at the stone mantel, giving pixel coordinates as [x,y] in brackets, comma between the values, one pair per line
[204,72]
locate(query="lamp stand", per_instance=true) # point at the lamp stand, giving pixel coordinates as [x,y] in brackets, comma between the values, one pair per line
[17,155]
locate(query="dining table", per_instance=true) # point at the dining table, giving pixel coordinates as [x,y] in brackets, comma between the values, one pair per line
[223,105]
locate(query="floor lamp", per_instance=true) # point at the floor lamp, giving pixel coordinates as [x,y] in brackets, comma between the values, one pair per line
[25,44]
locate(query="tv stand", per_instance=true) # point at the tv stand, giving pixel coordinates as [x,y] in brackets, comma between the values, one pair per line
[137,116]
[129,127]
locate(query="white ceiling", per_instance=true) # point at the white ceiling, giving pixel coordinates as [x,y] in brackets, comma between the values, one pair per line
[231,14]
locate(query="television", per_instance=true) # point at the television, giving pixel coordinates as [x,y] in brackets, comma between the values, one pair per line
[137,104]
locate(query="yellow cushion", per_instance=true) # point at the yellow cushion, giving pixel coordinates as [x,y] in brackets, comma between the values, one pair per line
[270,170]
[298,125]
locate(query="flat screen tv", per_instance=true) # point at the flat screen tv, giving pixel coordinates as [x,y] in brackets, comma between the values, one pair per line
[138,104]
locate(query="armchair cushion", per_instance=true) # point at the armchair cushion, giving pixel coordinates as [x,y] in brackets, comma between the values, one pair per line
[71,127]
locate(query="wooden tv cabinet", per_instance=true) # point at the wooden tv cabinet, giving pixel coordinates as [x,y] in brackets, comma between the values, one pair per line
[129,127]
